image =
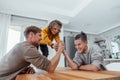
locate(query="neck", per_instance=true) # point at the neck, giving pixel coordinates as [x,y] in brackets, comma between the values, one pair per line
[29,41]
[86,51]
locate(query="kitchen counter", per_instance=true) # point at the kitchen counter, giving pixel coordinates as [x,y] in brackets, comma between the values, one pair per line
[69,74]
[108,61]
[111,59]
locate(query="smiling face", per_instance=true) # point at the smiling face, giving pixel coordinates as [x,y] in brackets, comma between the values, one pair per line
[55,29]
[81,46]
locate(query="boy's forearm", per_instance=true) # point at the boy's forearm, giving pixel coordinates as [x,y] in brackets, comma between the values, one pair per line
[70,62]
[89,67]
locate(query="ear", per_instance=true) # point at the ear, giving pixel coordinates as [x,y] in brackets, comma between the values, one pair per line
[86,42]
[31,34]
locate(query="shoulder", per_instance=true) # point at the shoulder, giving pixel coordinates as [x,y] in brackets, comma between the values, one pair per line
[30,51]
[25,46]
[77,53]
[45,29]
[94,51]
[94,48]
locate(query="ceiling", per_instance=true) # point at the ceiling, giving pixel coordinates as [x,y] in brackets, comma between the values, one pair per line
[91,16]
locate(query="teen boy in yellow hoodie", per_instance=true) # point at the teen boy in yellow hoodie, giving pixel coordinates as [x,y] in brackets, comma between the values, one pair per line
[50,33]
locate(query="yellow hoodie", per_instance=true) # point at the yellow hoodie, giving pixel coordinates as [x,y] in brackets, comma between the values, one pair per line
[47,37]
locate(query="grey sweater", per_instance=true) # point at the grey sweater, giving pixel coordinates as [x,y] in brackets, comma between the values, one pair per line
[92,57]
[18,58]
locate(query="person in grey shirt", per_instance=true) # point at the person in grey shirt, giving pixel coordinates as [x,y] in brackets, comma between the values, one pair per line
[86,58]
[25,53]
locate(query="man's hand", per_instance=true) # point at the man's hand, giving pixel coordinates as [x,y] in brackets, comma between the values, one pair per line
[60,47]
[56,46]
[30,70]
[59,44]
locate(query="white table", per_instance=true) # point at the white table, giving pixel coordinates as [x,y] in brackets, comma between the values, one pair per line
[113,66]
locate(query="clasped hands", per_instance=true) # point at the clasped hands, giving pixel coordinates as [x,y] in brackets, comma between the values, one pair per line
[59,47]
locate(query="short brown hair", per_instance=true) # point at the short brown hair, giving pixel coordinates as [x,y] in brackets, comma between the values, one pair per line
[33,29]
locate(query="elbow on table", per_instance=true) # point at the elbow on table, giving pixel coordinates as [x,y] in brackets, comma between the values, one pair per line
[95,69]
[50,71]
[74,67]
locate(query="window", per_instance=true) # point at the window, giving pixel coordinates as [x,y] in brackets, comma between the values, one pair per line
[13,37]
[17,26]
[115,47]
[14,34]
[115,42]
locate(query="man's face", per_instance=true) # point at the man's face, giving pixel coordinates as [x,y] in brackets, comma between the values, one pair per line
[80,45]
[55,29]
[36,39]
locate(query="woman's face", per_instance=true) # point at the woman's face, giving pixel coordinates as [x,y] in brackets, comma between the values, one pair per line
[55,29]
[80,45]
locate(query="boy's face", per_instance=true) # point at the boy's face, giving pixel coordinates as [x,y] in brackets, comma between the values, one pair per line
[55,29]
[80,45]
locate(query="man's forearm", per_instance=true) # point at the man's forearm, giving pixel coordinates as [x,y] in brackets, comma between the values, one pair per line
[54,62]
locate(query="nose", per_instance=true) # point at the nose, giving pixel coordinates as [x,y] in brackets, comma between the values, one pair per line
[57,30]
[40,38]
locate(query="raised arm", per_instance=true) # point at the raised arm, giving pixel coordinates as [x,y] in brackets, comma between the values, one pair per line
[56,58]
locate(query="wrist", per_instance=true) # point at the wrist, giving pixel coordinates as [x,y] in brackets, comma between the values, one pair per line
[58,53]
[52,45]
[64,53]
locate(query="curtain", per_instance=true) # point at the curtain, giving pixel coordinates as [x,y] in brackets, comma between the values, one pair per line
[4,25]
